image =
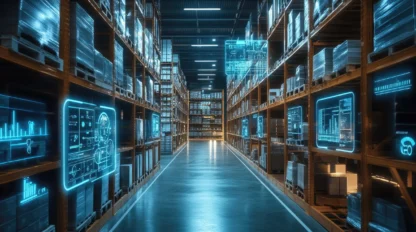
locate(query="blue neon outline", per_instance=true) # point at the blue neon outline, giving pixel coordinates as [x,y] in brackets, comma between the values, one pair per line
[301,118]
[64,125]
[353,120]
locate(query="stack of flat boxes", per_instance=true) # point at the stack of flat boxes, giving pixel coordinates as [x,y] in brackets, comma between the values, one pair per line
[138,39]
[8,214]
[33,215]
[119,64]
[302,181]
[126,175]
[323,63]
[139,165]
[101,194]
[301,77]
[321,10]
[103,69]
[82,37]
[263,156]
[277,157]
[139,88]
[394,21]
[334,179]
[291,27]
[120,15]
[139,130]
[80,205]
[291,173]
[347,53]
[117,186]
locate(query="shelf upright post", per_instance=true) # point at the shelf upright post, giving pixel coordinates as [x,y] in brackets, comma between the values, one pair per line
[285,150]
[268,137]
[223,115]
[366,113]
[310,196]
[65,54]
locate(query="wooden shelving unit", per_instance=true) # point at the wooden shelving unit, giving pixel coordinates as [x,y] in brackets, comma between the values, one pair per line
[206,115]
[351,19]
[175,104]
[45,82]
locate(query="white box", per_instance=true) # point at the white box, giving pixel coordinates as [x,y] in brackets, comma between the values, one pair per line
[352,183]
[302,176]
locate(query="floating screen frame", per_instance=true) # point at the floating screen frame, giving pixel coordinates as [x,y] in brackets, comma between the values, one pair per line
[105,142]
[338,145]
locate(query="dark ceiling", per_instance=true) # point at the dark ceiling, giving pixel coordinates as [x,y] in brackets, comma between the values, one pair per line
[201,27]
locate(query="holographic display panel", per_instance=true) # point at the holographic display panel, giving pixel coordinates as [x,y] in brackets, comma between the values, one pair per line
[89,146]
[294,123]
[23,130]
[384,84]
[155,125]
[260,126]
[244,127]
[31,191]
[335,117]
[240,55]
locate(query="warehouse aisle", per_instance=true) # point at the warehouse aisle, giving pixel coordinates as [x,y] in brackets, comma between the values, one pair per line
[207,188]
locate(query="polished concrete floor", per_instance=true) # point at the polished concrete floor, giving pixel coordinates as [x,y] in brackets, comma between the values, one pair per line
[208,188]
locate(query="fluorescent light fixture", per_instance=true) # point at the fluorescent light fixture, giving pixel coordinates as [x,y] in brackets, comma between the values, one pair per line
[206,79]
[214,65]
[207,70]
[204,45]
[214,40]
[205,74]
[201,9]
[205,61]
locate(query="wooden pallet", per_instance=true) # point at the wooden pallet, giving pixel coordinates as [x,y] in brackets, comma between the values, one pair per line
[321,80]
[130,95]
[347,69]
[104,208]
[129,189]
[300,89]
[289,185]
[105,10]
[130,42]
[84,72]
[120,91]
[83,226]
[300,192]
[118,195]
[391,50]
[290,93]
[32,49]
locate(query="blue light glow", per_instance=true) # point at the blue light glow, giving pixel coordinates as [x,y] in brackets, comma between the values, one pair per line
[31,191]
[244,127]
[244,55]
[335,120]
[260,127]
[295,124]
[406,146]
[89,142]
[392,84]
[25,130]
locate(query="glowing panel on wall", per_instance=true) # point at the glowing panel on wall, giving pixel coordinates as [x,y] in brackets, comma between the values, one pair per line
[394,80]
[294,123]
[89,142]
[23,130]
[335,119]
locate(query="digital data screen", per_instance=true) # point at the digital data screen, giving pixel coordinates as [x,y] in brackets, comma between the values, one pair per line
[244,127]
[294,123]
[89,146]
[241,54]
[23,130]
[260,126]
[393,81]
[155,125]
[335,122]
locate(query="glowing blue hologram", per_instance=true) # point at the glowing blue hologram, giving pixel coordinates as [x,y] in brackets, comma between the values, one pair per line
[335,120]
[31,191]
[406,146]
[244,127]
[24,133]
[260,127]
[295,124]
[392,84]
[243,55]
[155,125]
[89,143]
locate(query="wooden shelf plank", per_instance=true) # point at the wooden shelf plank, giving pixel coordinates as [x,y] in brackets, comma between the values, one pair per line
[16,174]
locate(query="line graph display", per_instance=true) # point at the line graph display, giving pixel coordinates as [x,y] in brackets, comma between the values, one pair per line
[335,122]
[23,129]
[89,146]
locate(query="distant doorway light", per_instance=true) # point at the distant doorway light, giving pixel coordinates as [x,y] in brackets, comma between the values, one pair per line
[202,9]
